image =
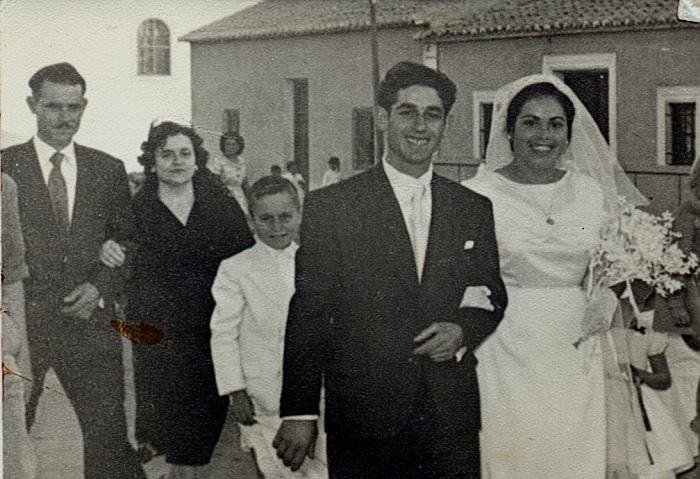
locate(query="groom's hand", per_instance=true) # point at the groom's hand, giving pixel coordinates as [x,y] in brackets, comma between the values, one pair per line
[295,440]
[440,341]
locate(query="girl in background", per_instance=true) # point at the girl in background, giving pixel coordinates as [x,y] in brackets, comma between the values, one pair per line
[231,167]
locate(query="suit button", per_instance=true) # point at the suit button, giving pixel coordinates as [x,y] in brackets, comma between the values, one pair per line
[65,259]
[411,360]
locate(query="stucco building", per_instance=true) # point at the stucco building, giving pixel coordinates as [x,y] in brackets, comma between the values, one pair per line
[296,77]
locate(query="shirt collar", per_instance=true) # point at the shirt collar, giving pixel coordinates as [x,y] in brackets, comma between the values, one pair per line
[403,181]
[290,251]
[44,151]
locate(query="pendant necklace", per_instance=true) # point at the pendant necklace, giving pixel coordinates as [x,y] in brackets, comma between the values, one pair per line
[549,212]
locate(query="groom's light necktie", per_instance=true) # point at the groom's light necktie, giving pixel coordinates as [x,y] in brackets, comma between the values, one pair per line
[418,230]
[58,192]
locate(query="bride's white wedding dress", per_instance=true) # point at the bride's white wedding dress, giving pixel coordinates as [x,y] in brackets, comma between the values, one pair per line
[542,399]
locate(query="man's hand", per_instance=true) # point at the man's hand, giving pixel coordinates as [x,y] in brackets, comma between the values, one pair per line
[295,440]
[442,340]
[112,254]
[242,408]
[81,302]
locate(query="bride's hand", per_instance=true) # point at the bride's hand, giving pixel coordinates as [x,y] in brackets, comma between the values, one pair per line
[112,254]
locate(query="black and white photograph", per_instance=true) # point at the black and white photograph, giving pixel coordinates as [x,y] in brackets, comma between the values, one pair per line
[350,239]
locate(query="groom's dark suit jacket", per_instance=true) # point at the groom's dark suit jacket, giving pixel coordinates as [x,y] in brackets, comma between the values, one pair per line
[358,305]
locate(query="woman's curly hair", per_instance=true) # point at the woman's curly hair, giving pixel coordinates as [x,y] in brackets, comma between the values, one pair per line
[158,136]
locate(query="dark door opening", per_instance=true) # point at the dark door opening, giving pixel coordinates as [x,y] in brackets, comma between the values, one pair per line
[591,86]
[301,126]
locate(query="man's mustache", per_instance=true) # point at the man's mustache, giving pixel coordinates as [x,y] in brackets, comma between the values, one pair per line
[66,125]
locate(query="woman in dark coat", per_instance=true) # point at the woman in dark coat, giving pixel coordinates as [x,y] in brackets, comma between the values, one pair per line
[186,224]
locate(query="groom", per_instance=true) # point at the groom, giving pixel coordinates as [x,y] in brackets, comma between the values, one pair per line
[397,273]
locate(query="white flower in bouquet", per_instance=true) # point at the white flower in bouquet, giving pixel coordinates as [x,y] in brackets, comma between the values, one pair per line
[640,246]
[635,247]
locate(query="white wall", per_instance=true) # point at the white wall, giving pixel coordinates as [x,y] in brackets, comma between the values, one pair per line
[99,39]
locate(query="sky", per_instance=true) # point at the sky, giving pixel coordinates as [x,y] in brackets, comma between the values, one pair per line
[99,38]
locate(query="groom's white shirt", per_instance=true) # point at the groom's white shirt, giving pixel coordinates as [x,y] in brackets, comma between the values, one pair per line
[252,291]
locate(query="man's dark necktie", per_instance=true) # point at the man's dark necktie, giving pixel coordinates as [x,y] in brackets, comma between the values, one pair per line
[58,192]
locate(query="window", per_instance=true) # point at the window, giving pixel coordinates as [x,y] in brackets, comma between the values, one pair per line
[430,55]
[362,137]
[680,133]
[482,114]
[593,79]
[154,48]
[232,121]
[678,125]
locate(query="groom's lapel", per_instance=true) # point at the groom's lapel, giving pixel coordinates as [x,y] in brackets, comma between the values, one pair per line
[442,224]
[391,236]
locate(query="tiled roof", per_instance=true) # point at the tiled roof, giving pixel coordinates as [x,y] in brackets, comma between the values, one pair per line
[545,17]
[281,18]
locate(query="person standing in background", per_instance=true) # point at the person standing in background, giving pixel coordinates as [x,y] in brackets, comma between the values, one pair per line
[275,170]
[292,174]
[231,167]
[332,175]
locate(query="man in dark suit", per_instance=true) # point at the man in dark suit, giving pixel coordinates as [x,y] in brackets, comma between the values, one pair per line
[71,199]
[397,282]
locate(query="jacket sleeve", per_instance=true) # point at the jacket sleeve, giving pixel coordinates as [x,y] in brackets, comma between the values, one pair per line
[311,309]
[120,227]
[225,331]
[14,267]
[478,323]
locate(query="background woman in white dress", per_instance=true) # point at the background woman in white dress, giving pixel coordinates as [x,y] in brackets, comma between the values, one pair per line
[553,181]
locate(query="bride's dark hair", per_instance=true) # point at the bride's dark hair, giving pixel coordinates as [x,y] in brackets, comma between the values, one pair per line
[539,90]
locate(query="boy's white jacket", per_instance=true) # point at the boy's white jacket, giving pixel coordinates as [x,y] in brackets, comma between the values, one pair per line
[252,292]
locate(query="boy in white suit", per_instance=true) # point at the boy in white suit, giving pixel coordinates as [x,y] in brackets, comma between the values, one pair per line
[252,292]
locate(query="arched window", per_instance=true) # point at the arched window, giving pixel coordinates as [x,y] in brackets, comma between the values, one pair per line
[154,47]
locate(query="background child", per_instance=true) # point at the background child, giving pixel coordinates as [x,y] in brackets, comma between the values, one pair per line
[231,167]
[680,314]
[684,364]
[656,445]
[672,314]
[296,179]
[252,292]
[332,175]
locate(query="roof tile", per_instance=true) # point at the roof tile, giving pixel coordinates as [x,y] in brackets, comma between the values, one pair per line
[528,17]
[277,18]
[446,18]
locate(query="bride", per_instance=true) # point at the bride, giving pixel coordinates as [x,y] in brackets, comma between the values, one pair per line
[553,182]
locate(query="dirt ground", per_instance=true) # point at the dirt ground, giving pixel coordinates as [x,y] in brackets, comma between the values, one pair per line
[58,444]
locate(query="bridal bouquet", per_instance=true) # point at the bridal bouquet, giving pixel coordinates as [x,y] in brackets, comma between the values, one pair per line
[635,248]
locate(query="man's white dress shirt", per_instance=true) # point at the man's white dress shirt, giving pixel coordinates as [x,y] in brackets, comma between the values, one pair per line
[415,200]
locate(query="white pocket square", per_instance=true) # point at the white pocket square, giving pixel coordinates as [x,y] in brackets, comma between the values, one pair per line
[469,244]
[477,297]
